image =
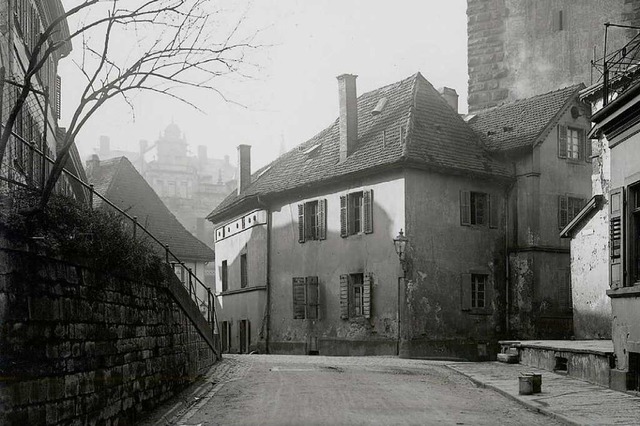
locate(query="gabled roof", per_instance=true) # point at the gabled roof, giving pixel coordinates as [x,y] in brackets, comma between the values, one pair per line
[118,181]
[435,137]
[522,123]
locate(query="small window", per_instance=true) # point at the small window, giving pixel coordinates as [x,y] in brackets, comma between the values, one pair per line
[572,143]
[478,290]
[243,271]
[224,277]
[355,295]
[477,208]
[568,209]
[306,298]
[356,213]
[312,220]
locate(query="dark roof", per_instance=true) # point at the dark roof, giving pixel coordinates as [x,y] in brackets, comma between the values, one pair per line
[521,123]
[118,181]
[436,137]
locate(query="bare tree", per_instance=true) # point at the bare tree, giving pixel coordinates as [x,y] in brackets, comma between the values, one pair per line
[158,46]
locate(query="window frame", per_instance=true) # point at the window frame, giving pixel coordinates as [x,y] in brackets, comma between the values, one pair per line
[356,205]
[224,276]
[312,220]
[244,271]
[572,207]
[356,302]
[478,280]
[633,229]
[304,291]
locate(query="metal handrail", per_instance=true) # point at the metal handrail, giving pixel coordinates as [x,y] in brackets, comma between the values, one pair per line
[211,311]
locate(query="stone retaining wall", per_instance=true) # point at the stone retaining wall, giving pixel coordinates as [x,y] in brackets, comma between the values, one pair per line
[79,347]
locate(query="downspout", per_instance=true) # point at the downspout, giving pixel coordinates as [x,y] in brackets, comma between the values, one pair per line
[507,324]
[268,307]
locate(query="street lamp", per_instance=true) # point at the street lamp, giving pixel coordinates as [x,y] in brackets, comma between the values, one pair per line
[400,243]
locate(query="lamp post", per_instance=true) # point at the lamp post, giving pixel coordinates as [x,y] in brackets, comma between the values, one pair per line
[400,243]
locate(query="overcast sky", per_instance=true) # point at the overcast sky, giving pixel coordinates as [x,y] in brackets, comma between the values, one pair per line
[295,92]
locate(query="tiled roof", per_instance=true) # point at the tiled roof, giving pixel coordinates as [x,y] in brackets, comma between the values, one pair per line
[118,181]
[436,137]
[520,124]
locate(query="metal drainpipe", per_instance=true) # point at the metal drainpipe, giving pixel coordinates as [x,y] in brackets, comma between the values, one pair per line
[268,326]
[506,255]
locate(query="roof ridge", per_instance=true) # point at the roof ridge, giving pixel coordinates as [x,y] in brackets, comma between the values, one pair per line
[530,98]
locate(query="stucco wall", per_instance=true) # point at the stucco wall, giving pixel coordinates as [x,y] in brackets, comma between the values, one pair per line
[590,278]
[328,259]
[441,249]
[249,303]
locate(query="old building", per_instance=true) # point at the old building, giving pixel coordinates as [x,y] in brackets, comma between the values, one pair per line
[544,139]
[117,180]
[190,185]
[36,127]
[618,123]
[305,257]
[519,48]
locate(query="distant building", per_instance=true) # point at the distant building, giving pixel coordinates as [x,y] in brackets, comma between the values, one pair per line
[521,48]
[118,181]
[189,185]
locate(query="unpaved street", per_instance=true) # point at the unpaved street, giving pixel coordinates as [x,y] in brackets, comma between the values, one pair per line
[299,390]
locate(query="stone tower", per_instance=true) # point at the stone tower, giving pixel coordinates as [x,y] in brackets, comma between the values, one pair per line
[521,48]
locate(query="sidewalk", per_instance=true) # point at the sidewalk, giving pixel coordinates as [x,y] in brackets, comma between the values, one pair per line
[569,400]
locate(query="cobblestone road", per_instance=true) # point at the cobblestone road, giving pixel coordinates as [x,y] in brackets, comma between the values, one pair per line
[299,390]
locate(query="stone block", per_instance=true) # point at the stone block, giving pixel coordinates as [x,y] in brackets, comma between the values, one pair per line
[71,385]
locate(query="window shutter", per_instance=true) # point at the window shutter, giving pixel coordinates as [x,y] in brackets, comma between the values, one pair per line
[465,208]
[299,298]
[587,145]
[301,223]
[562,141]
[465,292]
[312,298]
[616,238]
[367,200]
[493,211]
[366,292]
[57,99]
[344,296]
[343,216]
[563,211]
[322,219]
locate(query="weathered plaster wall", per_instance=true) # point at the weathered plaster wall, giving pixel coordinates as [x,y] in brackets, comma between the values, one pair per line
[328,259]
[441,250]
[77,347]
[590,367]
[249,303]
[590,278]
[515,50]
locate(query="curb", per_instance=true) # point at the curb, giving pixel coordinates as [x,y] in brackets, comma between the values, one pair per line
[523,402]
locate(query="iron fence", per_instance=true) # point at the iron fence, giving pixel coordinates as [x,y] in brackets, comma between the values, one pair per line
[26,165]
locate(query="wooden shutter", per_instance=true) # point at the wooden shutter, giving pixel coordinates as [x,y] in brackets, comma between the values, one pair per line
[563,211]
[343,216]
[465,292]
[301,223]
[493,211]
[616,238]
[312,298]
[465,208]
[344,296]
[322,219]
[366,292]
[587,145]
[562,141]
[299,298]
[367,201]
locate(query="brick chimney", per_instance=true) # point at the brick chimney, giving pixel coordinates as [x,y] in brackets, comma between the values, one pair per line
[348,114]
[244,167]
[451,96]
[92,164]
